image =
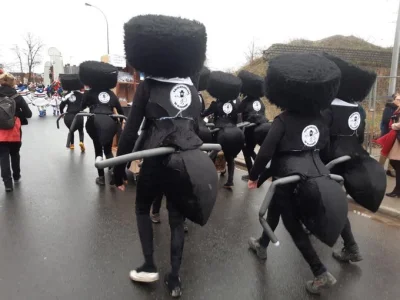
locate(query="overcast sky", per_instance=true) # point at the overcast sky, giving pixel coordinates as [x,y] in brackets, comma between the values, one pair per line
[79,32]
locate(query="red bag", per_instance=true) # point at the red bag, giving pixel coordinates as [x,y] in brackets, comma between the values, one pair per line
[13,134]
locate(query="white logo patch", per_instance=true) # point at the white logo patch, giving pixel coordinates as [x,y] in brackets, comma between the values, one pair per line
[72,98]
[227,108]
[354,120]
[310,136]
[104,97]
[181,97]
[256,105]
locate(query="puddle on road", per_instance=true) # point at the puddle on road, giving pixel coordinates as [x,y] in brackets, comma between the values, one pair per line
[379,217]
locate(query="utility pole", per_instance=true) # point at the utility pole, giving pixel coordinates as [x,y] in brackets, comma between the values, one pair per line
[395,57]
[105,17]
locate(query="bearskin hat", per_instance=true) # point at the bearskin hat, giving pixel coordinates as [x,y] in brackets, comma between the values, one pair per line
[355,83]
[224,86]
[252,84]
[302,82]
[71,82]
[98,75]
[200,79]
[165,46]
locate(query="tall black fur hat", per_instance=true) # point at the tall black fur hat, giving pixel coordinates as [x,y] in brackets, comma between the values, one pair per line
[252,84]
[71,82]
[165,46]
[302,82]
[200,79]
[98,75]
[224,86]
[356,83]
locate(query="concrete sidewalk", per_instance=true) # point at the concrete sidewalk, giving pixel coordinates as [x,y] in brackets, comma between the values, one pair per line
[389,206]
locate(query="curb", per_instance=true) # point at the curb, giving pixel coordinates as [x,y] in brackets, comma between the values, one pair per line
[385,210]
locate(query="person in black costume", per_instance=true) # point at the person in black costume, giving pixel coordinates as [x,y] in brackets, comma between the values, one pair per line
[302,85]
[100,77]
[365,178]
[253,111]
[169,50]
[73,102]
[200,80]
[225,88]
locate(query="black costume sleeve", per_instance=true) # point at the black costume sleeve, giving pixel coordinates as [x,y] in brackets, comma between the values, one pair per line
[62,106]
[210,110]
[85,99]
[130,133]
[327,116]
[268,148]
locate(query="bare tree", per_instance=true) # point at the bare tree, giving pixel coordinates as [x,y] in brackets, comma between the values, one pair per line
[18,54]
[29,54]
[32,52]
[252,52]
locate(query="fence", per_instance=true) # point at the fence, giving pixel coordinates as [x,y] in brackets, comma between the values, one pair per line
[374,106]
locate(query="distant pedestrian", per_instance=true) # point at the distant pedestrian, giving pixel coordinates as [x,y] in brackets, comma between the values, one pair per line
[10,139]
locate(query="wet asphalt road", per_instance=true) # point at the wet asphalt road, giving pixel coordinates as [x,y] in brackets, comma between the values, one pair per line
[63,237]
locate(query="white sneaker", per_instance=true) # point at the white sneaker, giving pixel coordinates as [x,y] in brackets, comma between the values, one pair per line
[141,276]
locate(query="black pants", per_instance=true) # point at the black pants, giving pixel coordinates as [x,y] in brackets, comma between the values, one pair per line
[81,136]
[347,235]
[7,151]
[281,206]
[396,165]
[249,154]
[155,209]
[153,180]
[98,148]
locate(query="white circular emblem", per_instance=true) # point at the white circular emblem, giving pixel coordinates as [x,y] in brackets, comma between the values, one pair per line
[72,98]
[227,108]
[310,136]
[181,97]
[104,97]
[354,121]
[256,105]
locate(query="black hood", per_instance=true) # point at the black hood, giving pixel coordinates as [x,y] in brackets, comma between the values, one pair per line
[391,105]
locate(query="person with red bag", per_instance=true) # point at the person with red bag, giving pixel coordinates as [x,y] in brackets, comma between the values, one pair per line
[14,112]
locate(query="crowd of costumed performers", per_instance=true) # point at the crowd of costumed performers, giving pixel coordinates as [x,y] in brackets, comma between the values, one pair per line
[225,88]
[321,121]
[73,102]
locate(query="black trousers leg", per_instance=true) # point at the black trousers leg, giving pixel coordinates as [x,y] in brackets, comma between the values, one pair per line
[148,187]
[247,152]
[15,159]
[302,242]
[108,150]
[230,160]
[81,135]
[98,150]
[396,165]
[176,221]
[273,216]
[72,138]
[157,204]
[5,164]
[347,235]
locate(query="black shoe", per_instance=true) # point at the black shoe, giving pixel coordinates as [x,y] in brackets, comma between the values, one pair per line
[185,227]
[145,273]
[101,180]
[389,173]
[9,186]
[17,179]
[228,185]
[348,254]
[245,177]
[393,194]
[173,285]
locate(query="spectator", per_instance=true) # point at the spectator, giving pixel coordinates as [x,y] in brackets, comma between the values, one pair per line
[10,139]
[388,112]
[394,157]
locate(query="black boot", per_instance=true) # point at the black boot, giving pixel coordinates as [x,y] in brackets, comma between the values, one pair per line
[348,254]
[173,285]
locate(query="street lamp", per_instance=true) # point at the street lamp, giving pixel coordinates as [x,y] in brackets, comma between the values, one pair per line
[108,41]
